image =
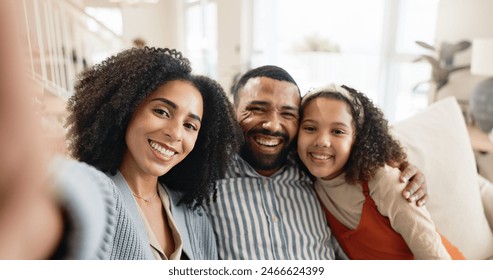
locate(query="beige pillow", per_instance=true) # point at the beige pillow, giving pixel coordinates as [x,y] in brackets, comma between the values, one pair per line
[437,141]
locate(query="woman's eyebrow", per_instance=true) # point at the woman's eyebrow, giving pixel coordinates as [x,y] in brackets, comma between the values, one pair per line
[167,101]
[174,106]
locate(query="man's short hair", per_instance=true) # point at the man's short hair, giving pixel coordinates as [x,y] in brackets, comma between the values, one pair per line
[268,71]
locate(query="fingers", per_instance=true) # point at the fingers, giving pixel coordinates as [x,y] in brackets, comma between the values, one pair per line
[419,195]
[408,172]
[417,182]
[416,190]
[423,200]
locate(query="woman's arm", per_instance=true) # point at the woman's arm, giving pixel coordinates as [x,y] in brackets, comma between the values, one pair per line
[30,221]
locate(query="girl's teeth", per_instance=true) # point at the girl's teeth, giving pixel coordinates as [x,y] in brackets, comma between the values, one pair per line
[322,157]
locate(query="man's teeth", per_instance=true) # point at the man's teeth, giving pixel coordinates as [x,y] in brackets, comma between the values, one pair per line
[165,152]
[268,142]
[321,157]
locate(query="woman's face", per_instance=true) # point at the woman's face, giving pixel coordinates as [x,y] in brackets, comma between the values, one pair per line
[325,137]
[163,129]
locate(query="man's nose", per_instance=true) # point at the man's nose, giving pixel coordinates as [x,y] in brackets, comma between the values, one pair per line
[272,122]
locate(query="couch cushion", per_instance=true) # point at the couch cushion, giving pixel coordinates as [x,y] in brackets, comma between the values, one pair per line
[437,141]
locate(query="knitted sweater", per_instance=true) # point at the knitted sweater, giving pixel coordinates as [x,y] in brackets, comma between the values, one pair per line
[100,223]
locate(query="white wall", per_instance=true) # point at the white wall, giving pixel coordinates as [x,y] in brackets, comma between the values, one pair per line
[161,25]
[234,39]
[463,20]
[158,24]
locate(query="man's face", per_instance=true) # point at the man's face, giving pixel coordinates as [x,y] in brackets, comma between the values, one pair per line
[267,111]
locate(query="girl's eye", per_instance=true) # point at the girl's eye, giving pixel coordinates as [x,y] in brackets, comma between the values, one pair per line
[309,128]
[162,112]
[339,131]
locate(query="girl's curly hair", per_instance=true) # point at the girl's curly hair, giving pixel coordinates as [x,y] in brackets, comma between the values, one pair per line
[374,146]
[106,96]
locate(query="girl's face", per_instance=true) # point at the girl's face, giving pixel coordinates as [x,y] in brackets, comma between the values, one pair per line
[325,137]
[163,129]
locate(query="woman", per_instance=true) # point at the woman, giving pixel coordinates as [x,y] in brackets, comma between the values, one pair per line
[344,142]
[157,132]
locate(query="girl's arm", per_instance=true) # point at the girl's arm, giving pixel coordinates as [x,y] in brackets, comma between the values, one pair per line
[413,223]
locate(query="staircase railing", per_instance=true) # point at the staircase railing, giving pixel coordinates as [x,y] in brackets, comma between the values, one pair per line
[62,40]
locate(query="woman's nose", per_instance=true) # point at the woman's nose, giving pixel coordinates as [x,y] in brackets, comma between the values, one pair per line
[173,130]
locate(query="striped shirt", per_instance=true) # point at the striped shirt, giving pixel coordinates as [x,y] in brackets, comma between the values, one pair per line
[275,218]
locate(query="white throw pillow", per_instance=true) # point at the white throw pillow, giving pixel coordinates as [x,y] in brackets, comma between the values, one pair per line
[436,140]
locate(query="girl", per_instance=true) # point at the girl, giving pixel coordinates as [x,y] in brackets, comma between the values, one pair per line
[344,142]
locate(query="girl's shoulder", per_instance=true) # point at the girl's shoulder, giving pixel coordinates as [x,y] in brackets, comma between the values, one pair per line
[386,184]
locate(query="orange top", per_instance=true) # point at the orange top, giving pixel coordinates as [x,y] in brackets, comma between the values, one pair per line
[374,238]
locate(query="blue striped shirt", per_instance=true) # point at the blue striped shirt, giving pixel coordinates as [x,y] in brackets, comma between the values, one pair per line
[275,218]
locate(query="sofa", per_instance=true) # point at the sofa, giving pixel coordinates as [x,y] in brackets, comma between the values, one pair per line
[460,201]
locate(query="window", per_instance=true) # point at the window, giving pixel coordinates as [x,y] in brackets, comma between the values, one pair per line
[368,45]
[103,30]
[201,35]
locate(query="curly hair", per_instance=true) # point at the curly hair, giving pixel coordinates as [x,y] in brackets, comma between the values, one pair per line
[373,146]
[106,96]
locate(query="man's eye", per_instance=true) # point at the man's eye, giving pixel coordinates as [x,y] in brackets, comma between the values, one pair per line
[257,110]
[289,115]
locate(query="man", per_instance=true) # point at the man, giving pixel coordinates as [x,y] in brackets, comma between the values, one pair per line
[266,207]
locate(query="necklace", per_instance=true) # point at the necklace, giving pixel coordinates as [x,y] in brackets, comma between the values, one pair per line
[145,199]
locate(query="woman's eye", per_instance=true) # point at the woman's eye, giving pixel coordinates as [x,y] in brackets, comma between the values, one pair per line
[162,112]
[309,128]
[191,126]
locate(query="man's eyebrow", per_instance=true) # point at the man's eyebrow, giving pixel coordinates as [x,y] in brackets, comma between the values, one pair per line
[174,106]
[258,102]
[265,103]
[290,108]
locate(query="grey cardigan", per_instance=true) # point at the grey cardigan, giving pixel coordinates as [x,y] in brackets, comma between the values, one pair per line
[105,223]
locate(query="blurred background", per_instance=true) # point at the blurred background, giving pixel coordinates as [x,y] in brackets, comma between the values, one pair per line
[404,54]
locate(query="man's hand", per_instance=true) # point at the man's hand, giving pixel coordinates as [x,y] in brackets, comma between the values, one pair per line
[416,190]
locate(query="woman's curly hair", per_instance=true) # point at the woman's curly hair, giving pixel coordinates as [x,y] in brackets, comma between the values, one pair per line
[373,146]
[106,96]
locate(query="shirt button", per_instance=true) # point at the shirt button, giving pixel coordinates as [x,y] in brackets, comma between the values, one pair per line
[275,219]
